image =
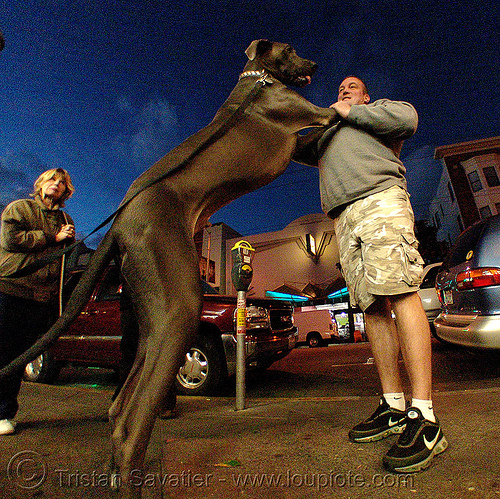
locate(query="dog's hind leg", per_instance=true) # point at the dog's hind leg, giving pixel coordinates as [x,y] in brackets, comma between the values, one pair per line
[163,275]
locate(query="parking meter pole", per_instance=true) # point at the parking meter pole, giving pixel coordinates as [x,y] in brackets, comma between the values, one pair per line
[241,330]
[241,275]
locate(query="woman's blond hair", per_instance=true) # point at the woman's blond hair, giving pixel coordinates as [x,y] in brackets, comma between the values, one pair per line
[54,173]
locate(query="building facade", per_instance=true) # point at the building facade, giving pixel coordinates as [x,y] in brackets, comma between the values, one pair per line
[444,211]
[212,246]
[469,189]
[301,259]
[299,263]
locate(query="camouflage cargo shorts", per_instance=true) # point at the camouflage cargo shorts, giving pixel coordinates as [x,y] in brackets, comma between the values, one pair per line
[378,249]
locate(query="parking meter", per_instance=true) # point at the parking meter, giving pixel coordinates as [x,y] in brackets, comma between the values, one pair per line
[241,275]
[242,271]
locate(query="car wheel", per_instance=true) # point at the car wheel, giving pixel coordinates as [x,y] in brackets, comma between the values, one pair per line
[204,371]
[433,331]
[42,370]
[263,365]
[314,339]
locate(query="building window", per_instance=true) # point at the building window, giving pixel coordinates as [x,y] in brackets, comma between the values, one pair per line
[485,212]
[437,220]
[475,182]
[452,194]
[491,176]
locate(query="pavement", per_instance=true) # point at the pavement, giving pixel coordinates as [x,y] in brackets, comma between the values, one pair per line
[279,448]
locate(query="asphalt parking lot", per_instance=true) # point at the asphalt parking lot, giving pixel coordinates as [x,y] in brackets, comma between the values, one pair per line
[289,442]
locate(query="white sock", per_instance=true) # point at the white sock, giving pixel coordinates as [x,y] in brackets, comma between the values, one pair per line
[425,407]
[396,400]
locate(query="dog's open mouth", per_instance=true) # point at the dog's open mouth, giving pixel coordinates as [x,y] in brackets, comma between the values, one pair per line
[302,81]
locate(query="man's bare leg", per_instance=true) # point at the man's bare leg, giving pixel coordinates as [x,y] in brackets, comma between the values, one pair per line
[381,331]
[415,341]
[390,415]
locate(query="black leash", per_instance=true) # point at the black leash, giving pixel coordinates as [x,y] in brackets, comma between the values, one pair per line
[223,128]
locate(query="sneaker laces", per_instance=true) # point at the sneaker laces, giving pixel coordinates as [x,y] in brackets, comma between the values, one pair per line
[414,422]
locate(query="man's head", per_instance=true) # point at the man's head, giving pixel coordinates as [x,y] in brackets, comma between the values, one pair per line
[353,91]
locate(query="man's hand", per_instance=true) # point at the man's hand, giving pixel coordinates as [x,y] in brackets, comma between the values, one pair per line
[342,108]
[66,232]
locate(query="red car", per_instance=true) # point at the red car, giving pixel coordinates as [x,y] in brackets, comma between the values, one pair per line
[94,338]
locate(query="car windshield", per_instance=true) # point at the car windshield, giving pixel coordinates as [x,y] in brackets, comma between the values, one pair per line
[465,243]
[207,289]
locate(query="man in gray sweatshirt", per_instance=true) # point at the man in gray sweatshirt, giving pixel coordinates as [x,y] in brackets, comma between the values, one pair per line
[363,189]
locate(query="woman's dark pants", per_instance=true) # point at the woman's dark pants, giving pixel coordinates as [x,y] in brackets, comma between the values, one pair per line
[22,321]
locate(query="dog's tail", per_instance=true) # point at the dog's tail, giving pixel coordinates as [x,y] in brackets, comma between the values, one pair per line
[79,298]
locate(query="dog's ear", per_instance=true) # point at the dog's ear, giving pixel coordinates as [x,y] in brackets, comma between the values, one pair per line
[2,41]
[257,47]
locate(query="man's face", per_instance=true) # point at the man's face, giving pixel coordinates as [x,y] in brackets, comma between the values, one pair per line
[351,90]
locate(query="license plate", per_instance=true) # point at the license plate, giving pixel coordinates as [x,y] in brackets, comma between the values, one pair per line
[448,297]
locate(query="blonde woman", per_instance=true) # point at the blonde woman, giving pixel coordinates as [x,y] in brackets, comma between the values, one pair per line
[30,229]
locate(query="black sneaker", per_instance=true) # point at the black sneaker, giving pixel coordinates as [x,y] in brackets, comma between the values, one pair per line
[383,422]
[415,448]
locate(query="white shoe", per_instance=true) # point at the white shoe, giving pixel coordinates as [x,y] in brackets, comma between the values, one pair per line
[7,427]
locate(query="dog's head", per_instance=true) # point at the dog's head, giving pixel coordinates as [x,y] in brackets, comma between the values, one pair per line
[281,61]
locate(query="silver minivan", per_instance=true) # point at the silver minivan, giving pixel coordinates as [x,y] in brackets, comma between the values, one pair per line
[469,288]
[427,292]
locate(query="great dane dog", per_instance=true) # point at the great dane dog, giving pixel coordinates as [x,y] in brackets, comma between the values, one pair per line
[152,236]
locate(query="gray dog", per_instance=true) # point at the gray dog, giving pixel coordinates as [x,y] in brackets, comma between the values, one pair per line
[245,147]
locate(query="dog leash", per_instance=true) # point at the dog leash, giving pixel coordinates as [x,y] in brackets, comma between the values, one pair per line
[61,276]
[263,79]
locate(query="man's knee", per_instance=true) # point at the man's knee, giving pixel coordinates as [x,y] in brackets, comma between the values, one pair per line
[380,307]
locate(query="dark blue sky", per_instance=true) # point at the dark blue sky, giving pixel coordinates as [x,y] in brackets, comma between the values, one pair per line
[103,88]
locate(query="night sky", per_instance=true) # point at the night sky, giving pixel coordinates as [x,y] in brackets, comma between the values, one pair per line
[104,88]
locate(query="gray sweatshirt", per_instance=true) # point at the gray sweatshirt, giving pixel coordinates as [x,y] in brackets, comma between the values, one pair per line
[359,156]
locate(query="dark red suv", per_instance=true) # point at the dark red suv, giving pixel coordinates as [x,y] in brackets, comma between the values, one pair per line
[94,338]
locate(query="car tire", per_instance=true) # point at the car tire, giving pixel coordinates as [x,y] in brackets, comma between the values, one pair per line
[42,370]
[433,331]
[263,365]
[434,334]
[314,339]
[205,370]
